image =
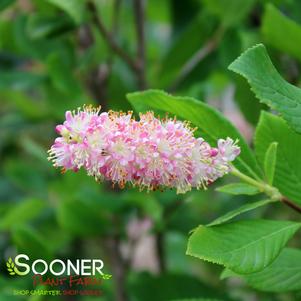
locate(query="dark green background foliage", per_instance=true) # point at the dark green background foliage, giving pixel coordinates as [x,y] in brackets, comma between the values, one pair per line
[58,55]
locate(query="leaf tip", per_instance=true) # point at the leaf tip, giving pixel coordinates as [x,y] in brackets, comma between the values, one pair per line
[233,66]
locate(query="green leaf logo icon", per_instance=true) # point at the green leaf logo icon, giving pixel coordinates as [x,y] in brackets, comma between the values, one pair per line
[11,267]
[106,276]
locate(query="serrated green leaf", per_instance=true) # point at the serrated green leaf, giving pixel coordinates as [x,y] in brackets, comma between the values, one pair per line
[270,162]
[287,176]
[238,189]
[281,32]
[213,125]
[283,275]
[245,246]
[271,89]
[245,208]
[74,8]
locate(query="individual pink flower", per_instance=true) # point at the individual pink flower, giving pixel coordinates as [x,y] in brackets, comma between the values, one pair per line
[149,153]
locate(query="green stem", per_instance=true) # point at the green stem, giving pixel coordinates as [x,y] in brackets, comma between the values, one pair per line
[247,179]
[269,190]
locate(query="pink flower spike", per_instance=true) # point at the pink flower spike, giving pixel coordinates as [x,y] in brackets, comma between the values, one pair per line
[150,153]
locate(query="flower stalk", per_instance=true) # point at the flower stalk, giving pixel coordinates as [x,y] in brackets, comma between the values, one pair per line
[272,192]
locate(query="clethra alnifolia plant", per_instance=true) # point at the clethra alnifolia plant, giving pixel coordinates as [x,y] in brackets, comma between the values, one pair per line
[149,153]
[153,153]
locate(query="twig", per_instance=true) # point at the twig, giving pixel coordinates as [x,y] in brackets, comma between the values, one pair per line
[139,10]
[290,204]
[203,52]
[97,79]
[107,35]
[98,82]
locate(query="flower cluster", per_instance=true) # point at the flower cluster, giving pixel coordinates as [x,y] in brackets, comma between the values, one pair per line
[149,153]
